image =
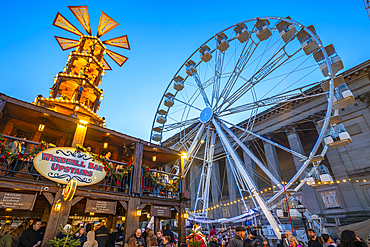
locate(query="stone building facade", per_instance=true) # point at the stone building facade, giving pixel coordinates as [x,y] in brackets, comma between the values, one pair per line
[295,126]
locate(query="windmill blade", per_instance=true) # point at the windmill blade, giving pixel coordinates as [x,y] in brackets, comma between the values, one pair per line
[82,15]
[105,65]
[66,44]
[105,24]
[121,42]
[62,22]
[118,58]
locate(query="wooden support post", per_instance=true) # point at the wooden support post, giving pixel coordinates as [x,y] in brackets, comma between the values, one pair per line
[132,221]
[136,178]
[157,224]
[46,214]
[79,136]
[109,222]
[56,218]
[181,225]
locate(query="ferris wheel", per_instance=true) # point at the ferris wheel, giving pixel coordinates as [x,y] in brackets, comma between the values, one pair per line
[256,66]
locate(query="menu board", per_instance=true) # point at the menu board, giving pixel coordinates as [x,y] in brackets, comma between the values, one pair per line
[17,200]
[100,207]
[160,211]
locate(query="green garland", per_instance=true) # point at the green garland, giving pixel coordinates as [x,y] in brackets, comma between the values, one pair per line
[155,182]
[7,154]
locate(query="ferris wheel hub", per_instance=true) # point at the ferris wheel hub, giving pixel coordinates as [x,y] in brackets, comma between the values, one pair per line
[206,115]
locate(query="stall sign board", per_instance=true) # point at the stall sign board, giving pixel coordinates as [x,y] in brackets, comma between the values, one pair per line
[100,207]
[17,200]
[160,211]
[62,164]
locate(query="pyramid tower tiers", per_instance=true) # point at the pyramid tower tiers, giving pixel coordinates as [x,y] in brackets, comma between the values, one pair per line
[76,91]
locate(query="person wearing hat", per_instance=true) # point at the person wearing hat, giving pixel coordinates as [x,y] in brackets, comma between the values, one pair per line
[238,239]
[257,240]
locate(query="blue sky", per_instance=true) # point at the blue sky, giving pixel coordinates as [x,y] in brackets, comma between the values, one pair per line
[162,35]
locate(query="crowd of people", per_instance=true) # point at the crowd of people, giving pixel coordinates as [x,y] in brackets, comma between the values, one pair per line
[241,238]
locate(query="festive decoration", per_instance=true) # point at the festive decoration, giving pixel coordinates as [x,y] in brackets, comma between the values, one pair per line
[68,240]
[168,186]
[196,237]
[7,154]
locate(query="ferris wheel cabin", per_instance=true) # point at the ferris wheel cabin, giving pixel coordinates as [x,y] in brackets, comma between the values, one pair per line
[190,68]
[336,136]
[169,101]
[308,44]
[205,53]
[157,134]
[242,33]
[286,30]
[179,83]
[222,43]
[162,117]
[263,30]
[335,60]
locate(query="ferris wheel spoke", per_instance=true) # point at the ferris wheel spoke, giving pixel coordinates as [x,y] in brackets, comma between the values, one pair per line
[253,157]
[218,72]
[200,87]
[273,100]
[277,60]
[242,62]
[192,148]
[206,173]
[302,156]
[170,127]
[244,175]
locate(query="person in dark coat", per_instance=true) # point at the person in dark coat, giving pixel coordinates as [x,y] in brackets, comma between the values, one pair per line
[160,238]
[257,240]
[119,235]
[111,238]
[238,239]
[248,242]
[169,233]
[81,235]
[314,240]
[145,233]
[213,242]
[101,234]
[138,239]
[31,236]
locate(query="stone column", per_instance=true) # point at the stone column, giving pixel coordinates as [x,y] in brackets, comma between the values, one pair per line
[308,192]
[215,189]
[194,183]
[233,190]
[271,158]
[250,165]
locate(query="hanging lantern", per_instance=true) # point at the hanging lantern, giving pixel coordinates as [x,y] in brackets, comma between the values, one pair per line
[154,158]
[105,145]
[138,212]
[58,206]
[41,127]
[148,215]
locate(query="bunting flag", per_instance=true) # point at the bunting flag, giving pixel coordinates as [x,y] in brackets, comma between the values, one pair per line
[119,59]
[105,24]
[66,44]
[105,65]
[121,42]
[62,23]
[82,15]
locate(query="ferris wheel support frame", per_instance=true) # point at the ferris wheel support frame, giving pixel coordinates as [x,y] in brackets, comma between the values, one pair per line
[241,169]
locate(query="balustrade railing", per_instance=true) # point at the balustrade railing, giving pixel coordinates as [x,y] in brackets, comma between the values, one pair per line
[24,168]
[160,184]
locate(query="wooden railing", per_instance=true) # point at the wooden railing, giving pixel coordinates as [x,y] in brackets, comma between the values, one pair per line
[160,184]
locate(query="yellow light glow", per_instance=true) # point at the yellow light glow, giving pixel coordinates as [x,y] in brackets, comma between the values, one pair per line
[364,180]
[41,127]
[185,215]
[154,158]
[344,180]
[148,215]
[338,181]
[8,209]
[270,188]
[92,213]
[274,186]
[105,145]
[58,205]
[357,181]
[84,122]
[123,218]
[138,212]
[184,155]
